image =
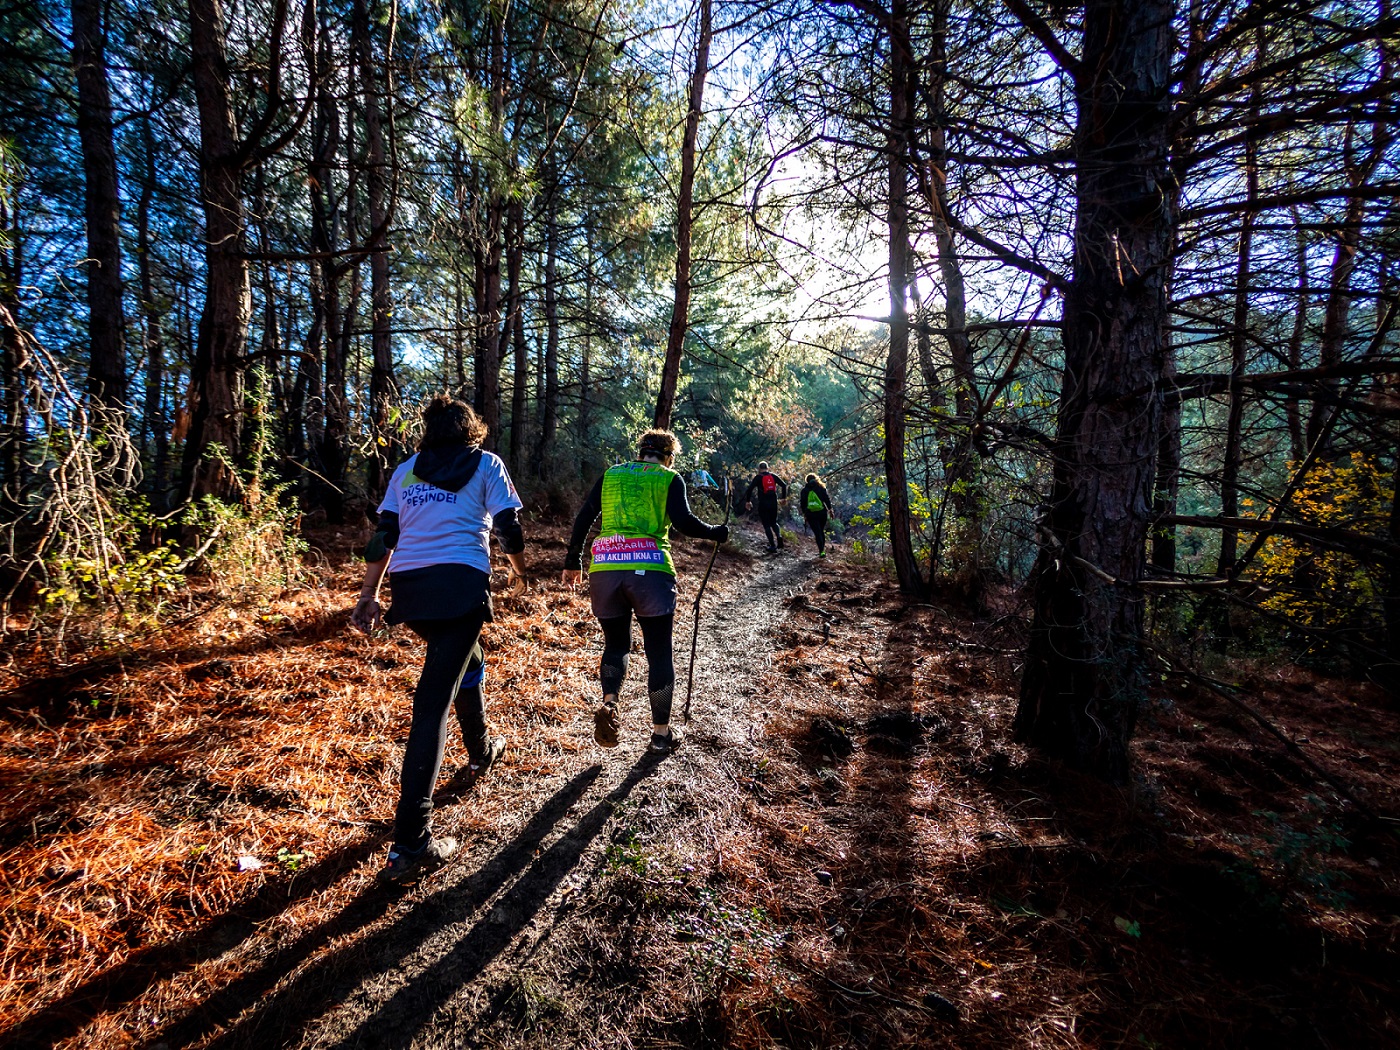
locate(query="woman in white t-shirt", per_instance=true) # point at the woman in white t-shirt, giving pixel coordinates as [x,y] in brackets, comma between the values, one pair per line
[435,521]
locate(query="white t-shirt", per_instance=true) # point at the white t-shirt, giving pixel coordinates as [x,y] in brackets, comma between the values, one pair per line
[438,527]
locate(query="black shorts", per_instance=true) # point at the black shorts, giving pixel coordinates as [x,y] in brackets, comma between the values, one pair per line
[621,592]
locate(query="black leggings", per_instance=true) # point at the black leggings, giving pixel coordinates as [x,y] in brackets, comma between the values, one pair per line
[453,675]
[661,664]
[817,519]
[769,517]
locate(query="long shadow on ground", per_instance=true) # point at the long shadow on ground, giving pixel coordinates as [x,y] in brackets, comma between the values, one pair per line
[122,984]
[223,1008]
[58,696]
[114,988]
[1201,928]
[287,1017]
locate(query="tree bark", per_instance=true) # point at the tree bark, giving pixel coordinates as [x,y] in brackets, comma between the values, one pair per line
[1239,349]
[515,325]
[216,375]
[155,436]
[12,364]
[102,207]
[680,309]
[383,393]
[897,362]
[1084,678]
[1292,411]
[960,466]
[549,419]
[333,453]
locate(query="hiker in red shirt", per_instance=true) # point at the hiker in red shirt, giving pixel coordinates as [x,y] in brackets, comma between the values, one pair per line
[769,488]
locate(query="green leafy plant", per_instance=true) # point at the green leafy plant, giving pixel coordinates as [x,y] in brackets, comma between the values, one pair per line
[1299,848]
[289,860]
[727,940]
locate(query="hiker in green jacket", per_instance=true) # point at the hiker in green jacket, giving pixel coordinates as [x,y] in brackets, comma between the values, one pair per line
[815,502]
[631,571]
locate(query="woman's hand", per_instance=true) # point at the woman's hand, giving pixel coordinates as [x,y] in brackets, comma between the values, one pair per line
[367,615]
[571,577]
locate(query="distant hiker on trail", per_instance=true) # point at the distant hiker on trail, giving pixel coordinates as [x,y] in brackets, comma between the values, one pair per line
[770,488]
[815,502]
[702,479]
[631,571]
[436,517]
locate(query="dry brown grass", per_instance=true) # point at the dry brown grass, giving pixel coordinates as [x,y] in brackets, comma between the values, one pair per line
[931,885]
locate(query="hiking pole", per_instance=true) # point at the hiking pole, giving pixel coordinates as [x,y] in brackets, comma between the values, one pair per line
[695,616]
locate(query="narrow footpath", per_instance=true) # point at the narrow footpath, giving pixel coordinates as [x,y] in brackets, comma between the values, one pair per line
[451,962]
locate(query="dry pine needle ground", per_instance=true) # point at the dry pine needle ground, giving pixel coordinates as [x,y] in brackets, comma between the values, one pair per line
[868,863]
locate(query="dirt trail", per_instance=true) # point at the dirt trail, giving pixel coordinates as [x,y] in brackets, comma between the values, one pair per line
[438,965]
[848,851]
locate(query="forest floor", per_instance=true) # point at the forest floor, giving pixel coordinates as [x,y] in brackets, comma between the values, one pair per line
[846,852]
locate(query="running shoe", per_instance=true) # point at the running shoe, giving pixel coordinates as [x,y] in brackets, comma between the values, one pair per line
[667,743]
[605,725]
[494,748]
[408,865]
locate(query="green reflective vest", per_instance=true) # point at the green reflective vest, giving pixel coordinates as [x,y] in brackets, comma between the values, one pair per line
[635,525]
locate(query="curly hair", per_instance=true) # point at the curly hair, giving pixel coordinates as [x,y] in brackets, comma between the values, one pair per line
[448,421]
[661,443]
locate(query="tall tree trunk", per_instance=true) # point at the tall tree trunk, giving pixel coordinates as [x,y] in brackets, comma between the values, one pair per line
[322,275]
[1390,603]
[680,310]
[1167,483]
[1298,449]
[488,379]
[12,361]
[960,466]
[1361,165]
[1083,682]
[153,428]
[489,376]
[897,363]
[1239,344]
[585,377]
[479,266]
[383,395]
[515,325]
[216,375]
[333,448]
[455,371]
[102,207]
[455,376]
[549,418]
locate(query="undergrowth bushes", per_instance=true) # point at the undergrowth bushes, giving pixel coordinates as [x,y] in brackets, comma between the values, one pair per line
[81,565]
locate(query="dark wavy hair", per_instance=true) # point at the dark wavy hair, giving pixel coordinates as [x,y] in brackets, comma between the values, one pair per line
[447,421]
[659,443]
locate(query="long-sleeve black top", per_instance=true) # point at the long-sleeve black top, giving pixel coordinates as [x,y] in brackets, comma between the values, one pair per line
[822,494]
[677,510]
[780,489]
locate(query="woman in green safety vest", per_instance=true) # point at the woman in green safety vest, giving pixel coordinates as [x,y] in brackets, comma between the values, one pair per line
[631,572]
[815,502]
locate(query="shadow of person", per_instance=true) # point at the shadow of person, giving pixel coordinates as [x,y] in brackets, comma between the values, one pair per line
[410,1009]
[114,988]
[286,1017]
[300,999]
